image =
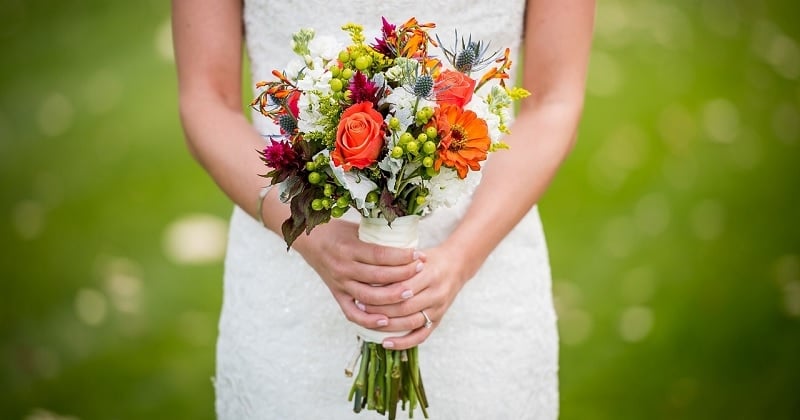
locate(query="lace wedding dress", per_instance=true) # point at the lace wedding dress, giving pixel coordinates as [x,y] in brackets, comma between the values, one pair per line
[283,341]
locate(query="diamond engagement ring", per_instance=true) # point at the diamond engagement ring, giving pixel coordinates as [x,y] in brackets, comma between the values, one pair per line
[428,322]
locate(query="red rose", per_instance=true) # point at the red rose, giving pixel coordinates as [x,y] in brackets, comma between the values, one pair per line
[292,102]
[359,137]
[454,87]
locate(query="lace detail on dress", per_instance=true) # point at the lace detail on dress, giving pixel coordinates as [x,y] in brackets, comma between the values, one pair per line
[283,341]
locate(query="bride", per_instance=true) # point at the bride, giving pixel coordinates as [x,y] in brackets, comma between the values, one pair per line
[481,271]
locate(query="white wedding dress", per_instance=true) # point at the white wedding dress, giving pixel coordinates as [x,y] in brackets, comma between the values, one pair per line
[283,341]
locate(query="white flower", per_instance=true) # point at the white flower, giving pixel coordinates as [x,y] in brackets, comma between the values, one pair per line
[325,47]
[294,68]
[402,106]
[315,78]
[310,118]
[446,188]
[358,185]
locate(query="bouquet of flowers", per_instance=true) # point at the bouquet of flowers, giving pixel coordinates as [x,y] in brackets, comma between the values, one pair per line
[395,132]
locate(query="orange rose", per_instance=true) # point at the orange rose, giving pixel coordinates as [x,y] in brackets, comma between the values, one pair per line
[454,87]
[359,137]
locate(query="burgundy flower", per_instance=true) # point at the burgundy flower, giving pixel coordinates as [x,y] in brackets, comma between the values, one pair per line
[383,45]
[362,89]
[280,155]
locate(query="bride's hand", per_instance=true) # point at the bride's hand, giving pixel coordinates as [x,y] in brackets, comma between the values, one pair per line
[434,290]
[349,267]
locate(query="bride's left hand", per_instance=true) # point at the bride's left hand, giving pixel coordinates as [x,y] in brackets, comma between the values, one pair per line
[435,288]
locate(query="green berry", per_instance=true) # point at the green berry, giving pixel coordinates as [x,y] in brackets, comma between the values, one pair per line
[316,204]
[430,171]
[311,166]
[315,178]
[420,200]
[336,85]
[327,190]
[394,123]
[342,202]
[431,132]
[397,152]
[335,70]
[347,74]
[326,203]
[412,146]
[422,138]
[344,56]
[427,161]
[428,147]
[372,197]
[337,212]
[406,137]
[363,62]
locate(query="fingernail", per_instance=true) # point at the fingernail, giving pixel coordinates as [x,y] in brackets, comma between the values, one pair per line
[420,266]
[383,322]
[388,344]
[407,294]
[417,254]
[361,306]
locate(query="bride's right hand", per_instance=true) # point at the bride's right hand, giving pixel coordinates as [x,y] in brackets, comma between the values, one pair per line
[351,269]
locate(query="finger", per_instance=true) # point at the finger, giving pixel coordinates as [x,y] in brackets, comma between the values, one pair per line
[377,296]
[384,255]
[405,323]
[423,297]
[412,339]
[355,315]
[381,274]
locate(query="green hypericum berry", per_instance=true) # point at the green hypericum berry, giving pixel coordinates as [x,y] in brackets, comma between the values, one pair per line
[397,152]
[430,171]
[372,197]
[316,204]
[336,85]
[428,147]
[315,178]
[422,116]
[431,132]
[427,161]
[342,202]
[412,146]
[423,86]
[327,190]
[347,74]
[335,70]
[394,123]
[326,203]
[406,137]
[422,138]
[311,166]
[344,56]
[420,200]
[337,212]
[363,62]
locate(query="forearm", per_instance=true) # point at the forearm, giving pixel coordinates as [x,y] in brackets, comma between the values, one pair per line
[515,179]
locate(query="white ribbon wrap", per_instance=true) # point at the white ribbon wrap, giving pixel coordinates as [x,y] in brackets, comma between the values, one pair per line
[404,233]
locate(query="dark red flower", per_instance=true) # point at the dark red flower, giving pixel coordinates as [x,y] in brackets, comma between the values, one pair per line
[280,155]
[362,89]
[386,44]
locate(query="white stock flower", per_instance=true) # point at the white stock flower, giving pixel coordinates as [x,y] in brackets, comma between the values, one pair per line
[402,106]
[325,47]
[446,188]
[294,68]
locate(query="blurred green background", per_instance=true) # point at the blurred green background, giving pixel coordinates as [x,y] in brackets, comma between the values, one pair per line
[673,226]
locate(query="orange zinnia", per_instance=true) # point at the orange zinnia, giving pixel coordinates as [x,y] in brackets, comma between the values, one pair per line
[464,139]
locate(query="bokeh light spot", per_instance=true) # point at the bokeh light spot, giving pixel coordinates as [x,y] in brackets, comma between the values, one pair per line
[605,75]
[90,306]
[708,219]
[28,219]
[652,213]
[721,120]
[196,239]
[103,92]
[55,115]
[638,285]
[42,414]
[619,237]
[722,17]
[163,41]
[575,326]
[677,127]
[635,323]
[123,284]
[786,123]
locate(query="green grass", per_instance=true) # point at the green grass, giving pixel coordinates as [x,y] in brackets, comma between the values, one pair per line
[673,226]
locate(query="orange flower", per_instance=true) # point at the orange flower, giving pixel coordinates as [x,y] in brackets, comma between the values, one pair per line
[359,137]
[464,139]
[454,87]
